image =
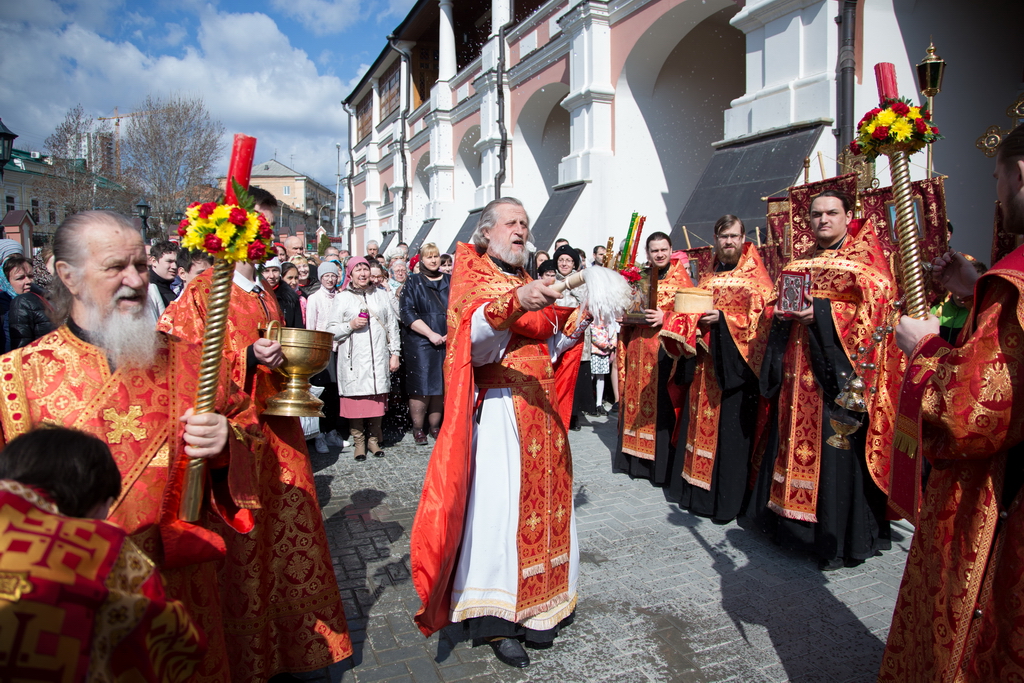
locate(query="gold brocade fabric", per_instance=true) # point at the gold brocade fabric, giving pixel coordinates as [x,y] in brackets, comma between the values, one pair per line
[637,358]
[743,296]
[857,280]
[63,380]
[81,602]
[959,612]
[282,608]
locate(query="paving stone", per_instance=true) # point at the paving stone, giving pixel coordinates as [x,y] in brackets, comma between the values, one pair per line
[664,596]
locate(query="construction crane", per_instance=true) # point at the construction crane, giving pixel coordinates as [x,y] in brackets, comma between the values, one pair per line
[116,118]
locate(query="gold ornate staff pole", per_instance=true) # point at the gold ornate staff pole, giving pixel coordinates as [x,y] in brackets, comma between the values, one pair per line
[209,379]
[911,270]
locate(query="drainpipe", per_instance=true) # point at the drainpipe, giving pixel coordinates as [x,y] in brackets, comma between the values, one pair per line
[403,117]
[499,177]
[846,73]
[348,180]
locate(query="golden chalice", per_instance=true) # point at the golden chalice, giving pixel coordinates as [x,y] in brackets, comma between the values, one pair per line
[306,352]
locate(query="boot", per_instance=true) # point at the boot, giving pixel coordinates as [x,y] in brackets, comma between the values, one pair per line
[358,438]
[375,437]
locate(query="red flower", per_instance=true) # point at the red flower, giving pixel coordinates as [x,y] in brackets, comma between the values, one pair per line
[257,251]
[182,228]
[206,209]
[925,114]
[265,232]
[881,133]
[238,216]
[901,108]
[193,205]
[935,130]
[855,148]
[920,125]
[213,244]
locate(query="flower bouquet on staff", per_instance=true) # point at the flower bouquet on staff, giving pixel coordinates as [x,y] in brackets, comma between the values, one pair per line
[626,265]
[230,231]
[897,129]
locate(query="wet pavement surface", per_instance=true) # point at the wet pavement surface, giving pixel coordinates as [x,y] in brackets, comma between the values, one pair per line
[663,595]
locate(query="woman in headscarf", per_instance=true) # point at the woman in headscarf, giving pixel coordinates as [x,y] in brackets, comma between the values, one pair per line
[29,317]
[424,311]
[365,329]
[567,261]
[8,248]
[332,426]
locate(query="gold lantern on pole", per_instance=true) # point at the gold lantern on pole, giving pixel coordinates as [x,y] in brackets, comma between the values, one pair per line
[929,81]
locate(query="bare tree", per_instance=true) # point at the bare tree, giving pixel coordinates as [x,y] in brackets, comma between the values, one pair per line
[82,173]
[169,148]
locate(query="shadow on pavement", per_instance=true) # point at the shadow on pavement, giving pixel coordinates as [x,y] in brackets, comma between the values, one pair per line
[811,630]
[361,535]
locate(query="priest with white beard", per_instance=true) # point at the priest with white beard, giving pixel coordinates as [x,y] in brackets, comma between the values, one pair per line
[107,371]
[494,543]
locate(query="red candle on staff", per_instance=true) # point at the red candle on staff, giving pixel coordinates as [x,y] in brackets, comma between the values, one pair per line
[240,166]
[885,77]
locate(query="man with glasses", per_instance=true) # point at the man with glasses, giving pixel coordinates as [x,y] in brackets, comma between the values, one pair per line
[725,396]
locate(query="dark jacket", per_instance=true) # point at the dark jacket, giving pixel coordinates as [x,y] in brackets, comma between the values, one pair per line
[28,319]
[291,309]
[425,300]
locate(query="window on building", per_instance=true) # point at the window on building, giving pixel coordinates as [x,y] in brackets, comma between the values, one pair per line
[34,210]
[364,116]
[52,214]
[385,196]
[286,190]
[11,206]
[390,90]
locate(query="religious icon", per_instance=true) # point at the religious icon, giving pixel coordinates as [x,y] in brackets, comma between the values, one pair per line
[795,290]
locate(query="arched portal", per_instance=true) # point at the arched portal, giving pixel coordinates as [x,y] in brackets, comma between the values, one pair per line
[540,142]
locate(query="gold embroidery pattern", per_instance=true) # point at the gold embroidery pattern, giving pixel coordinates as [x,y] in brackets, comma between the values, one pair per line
[13,585]
[125,425]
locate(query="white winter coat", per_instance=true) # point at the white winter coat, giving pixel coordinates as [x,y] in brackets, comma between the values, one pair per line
[364,355]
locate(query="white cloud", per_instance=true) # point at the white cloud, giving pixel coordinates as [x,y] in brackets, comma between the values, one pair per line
[245,69]
[175,34]
[322,17]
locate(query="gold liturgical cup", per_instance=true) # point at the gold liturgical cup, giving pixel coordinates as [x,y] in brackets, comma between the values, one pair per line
[306,353]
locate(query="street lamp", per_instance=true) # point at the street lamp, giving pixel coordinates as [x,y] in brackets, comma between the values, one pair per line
[318,213]
[6,146]
[143,210]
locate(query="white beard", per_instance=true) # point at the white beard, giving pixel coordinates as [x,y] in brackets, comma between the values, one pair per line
[129,337]
[503,250]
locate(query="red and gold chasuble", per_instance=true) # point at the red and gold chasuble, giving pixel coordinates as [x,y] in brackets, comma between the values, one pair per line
[743,297]
[282,609]
[61,379]
[542,396]
[637,358]
[79,601]
[857,279]
[959,612]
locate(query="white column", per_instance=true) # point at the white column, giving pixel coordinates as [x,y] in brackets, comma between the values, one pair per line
[501,14]
[372,200]
[590,97]
[446,64]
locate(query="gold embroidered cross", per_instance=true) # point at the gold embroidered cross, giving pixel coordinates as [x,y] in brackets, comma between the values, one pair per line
[533,448]
[932,363]
[560,513]
[124,425]
[532,521]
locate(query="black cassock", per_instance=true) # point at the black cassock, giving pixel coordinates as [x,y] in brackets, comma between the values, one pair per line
[851,509]
[426,300]
[737,423]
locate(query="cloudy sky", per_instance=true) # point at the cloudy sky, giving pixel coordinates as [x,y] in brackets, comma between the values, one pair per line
[275,69]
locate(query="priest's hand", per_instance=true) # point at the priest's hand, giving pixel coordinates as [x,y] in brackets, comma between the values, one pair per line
[954,272]
[268,352]
[654,317]
[535,295]
[205,434]
[709,318]
[911,331]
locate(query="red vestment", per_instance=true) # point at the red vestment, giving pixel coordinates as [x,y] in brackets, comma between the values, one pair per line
[960,615]
[742,296]
[637,358]
[61,379]
[856,279]
[282,609]
[79,601]
[542,394]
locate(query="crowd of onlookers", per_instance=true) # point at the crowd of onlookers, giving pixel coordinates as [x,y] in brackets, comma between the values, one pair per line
[387,313]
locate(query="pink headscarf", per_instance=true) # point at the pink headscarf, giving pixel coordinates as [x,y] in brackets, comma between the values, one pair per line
[351,265]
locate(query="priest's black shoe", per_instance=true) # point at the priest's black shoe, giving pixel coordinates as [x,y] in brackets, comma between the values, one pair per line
[510,651]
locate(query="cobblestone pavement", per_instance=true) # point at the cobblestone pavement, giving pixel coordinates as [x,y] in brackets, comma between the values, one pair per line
[664,595]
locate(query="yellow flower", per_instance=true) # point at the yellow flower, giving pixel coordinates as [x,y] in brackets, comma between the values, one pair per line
[915,113]
[886,117]
[192,240]
[869,128]
[902,129]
